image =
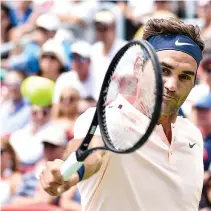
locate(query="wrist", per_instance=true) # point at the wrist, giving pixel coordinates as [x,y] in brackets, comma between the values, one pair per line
[81,172]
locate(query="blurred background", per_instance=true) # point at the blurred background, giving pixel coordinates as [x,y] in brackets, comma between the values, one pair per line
[72,43]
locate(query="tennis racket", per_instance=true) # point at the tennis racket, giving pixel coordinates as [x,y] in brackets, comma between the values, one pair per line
[134,76]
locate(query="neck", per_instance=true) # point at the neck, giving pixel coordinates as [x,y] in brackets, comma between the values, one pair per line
[166,122]
[107,46]
[71,116]
[51,77]
[16,101]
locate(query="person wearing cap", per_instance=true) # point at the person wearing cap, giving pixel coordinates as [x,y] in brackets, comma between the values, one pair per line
[45,28]
[202,118]
[53,139]
[167,172]
[105,48]
[79,77]
[15,110]
[52,60]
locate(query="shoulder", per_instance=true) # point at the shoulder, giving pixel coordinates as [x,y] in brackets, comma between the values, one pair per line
[96,47]
[66,76]
[187,127]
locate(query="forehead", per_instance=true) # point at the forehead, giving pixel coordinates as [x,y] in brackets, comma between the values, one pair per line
[69,91]
[13,77]
[178,59]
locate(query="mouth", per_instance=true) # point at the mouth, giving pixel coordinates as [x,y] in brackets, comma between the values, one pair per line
[167,97]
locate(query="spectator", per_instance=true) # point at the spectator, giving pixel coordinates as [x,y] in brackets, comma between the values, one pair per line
[105,49]
[14,112]
[86,103]
[10,174]
[162,9]
[204,12]
[205,203]
[27,141]
[52,60]
[27,60]
[66,112]
[202,109]
[30,192]
[80,15]
[80,76]
[21,12]
[6,23]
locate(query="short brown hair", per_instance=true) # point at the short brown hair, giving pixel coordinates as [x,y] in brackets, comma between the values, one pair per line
[172,26]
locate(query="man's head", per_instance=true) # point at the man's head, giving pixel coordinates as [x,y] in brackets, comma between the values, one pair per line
[202,112]
[52,59]
[13,81]
[46,27]
[204,10]
[54,142]
[48,22]
[179,48]
[81,51]
[40,115]
[206,71]
[105,26]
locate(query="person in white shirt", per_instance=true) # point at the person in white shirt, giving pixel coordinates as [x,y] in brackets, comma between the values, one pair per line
[105,48]
[167,172]
[80,76]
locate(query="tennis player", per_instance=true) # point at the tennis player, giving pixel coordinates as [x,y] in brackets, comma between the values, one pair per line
[167,172]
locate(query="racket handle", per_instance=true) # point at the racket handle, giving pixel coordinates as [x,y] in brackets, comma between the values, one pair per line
[70,166]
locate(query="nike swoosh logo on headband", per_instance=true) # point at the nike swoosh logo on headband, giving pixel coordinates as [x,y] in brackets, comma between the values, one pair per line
[177,43]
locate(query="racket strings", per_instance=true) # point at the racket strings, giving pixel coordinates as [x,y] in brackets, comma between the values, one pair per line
[133,78]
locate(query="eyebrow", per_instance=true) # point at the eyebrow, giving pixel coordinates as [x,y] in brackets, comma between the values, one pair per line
[188,72]
[167,65]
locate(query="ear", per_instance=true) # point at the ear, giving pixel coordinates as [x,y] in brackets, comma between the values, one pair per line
[138,66]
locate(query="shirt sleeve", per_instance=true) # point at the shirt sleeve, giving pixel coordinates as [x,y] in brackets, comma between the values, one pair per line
[83,123]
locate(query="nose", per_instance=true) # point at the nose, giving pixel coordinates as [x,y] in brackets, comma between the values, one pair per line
[170,84]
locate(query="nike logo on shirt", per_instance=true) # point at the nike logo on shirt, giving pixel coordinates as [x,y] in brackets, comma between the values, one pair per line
[192,145]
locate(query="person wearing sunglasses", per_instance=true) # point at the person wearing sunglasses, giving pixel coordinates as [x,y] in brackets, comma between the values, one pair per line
[80,76]
[27,141]
[106,46]
[66,112]
[15,111]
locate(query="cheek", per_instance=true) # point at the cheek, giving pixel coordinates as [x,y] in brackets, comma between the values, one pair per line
[184,89]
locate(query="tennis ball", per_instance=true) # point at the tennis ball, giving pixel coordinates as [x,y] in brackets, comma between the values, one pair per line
[38,90]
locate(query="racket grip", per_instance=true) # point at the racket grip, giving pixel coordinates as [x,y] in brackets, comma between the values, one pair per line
[70,166]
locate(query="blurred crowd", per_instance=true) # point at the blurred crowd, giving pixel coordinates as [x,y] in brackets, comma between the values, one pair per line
[72,43]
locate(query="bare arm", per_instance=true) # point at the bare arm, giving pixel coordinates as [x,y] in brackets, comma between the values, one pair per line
[51,178]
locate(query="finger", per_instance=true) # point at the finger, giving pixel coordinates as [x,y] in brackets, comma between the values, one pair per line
[55,171]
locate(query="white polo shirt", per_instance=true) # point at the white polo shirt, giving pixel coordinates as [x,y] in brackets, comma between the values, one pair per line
[156,177]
